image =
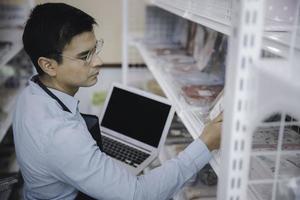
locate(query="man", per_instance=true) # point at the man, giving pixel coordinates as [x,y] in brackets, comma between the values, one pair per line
[55,151]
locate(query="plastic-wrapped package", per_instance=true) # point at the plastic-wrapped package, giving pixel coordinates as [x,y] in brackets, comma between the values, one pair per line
[203,53]
[264,167]
[266,138]
[165,51]
[201,95]
[191,38]
[189,74]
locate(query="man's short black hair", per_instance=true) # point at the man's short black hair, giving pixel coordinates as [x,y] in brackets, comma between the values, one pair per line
[51,27]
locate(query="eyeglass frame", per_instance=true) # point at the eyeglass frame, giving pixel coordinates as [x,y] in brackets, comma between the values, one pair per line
[90,55]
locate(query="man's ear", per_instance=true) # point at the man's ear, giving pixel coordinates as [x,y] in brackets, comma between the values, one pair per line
[48,65]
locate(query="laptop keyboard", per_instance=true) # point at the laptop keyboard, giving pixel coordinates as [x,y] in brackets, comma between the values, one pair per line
[123,152]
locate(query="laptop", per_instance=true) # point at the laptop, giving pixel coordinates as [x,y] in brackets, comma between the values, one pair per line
[134,126]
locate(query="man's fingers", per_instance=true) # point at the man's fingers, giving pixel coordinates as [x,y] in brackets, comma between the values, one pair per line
[219,118]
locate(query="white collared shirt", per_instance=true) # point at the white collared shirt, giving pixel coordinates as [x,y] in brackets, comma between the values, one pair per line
[58,156]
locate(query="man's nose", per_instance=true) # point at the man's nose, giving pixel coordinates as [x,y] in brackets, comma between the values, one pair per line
[97,61]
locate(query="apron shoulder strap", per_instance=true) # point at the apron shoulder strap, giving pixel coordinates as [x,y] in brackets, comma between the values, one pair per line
[37,81]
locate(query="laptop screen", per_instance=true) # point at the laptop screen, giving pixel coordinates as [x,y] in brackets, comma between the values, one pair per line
[136,116]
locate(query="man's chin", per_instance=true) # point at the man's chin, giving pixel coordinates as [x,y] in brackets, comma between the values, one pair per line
[90,82]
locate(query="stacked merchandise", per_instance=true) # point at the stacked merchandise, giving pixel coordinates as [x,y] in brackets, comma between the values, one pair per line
[204,187]
[271,161]
[263,170]
[192,56]
[178,134]
[266,139]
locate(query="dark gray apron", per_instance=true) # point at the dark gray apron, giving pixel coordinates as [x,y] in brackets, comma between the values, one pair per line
[92,123]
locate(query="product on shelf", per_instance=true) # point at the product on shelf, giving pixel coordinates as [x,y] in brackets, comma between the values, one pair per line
[276,117]
[203,52]
[205,185]
[208,176]
[201,95]
[191,37]
[177,59]
[266,138]
[200,191]
[178,134]
[164,51]
[263,168]
[211,57]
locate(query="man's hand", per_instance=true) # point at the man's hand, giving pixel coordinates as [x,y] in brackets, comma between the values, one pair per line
[211,134]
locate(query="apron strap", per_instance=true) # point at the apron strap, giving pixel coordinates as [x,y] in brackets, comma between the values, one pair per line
[37,81]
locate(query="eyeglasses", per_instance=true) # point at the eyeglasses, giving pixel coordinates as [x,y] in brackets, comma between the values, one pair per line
[90,55]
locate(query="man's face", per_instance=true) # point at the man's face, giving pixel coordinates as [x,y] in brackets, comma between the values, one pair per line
[74,72]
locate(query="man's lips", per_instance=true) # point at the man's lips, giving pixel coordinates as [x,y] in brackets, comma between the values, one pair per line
[96,74]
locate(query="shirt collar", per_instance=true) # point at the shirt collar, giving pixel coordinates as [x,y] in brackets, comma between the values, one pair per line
[66,99]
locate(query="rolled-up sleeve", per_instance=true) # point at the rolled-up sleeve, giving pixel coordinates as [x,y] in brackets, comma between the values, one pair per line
[75,159]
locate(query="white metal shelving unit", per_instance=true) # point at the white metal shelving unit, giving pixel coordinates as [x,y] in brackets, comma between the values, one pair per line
[13,35]
[255,87]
